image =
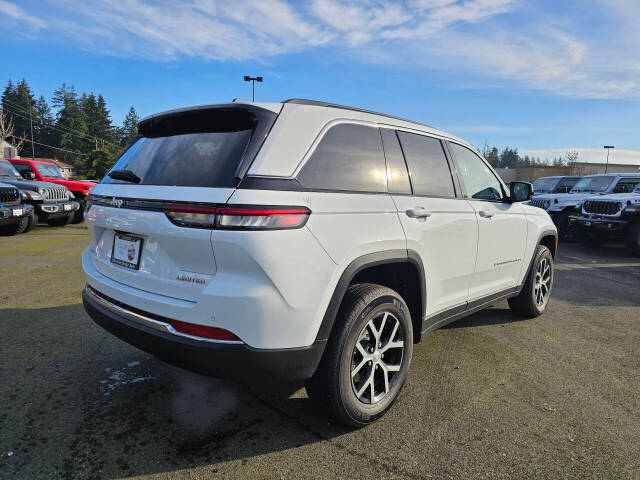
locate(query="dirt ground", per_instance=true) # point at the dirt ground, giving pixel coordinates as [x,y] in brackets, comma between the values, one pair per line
[489,396]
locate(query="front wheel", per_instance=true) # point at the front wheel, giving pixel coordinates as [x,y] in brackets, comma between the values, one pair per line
[78,215]
[534,296]
[367,358]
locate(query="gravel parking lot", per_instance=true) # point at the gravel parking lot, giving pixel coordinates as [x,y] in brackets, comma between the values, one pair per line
[489,396]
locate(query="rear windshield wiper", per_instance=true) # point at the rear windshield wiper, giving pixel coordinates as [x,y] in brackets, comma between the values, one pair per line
[126,175]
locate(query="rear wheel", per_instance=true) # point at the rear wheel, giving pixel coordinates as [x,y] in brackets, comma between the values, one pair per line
[632,239]
[60,221]
[534,296]
[367,358]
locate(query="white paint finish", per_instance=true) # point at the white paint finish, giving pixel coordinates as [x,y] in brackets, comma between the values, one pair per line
[349,225]
[537,221]
[160,192]
[269,288]
[446,241]
[167,250]
[502,238]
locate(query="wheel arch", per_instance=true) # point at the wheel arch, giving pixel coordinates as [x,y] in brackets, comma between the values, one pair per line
[401,270]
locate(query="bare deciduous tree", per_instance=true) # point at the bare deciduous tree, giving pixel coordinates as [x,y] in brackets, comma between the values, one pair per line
[7,131]
[572,158]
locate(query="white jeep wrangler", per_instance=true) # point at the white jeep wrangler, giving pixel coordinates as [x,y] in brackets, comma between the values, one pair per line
[562,205]
[306,241]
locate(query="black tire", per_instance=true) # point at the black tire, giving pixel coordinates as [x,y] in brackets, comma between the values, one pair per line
[526,304]
[632,238]
[78,215]
[562,224]
[59,221]
[33,221]
[13,229]
[333,386]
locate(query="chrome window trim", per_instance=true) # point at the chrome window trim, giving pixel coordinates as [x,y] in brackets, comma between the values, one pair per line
[150,322]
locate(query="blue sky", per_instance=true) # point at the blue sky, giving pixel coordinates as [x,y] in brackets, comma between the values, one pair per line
[530,74]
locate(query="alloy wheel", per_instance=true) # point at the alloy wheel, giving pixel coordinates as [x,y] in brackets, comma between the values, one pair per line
[377,357]
[542,286]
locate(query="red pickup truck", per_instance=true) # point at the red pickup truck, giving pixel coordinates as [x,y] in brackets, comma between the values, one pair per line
[48,172]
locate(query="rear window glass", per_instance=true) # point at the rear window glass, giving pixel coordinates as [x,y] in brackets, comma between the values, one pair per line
[349,157]
[195,149]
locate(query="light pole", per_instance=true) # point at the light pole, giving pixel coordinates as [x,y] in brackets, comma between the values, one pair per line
[253,81]
[608,147]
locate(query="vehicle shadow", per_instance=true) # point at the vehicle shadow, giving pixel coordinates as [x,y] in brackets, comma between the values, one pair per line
[493,316]
[81,403]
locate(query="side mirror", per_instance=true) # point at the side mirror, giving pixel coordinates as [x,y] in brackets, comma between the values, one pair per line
[30,176]
[520,191]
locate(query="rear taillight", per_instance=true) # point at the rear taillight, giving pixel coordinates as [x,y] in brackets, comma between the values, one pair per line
[191,216]
[203,331]
[238,218]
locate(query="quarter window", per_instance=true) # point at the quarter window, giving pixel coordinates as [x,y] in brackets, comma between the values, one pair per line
[398,179]
[349,157]
[479,181]
[428,167]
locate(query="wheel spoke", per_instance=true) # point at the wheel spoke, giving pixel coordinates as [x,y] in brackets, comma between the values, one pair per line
[386,379]
[359,367]
[390,345]
[382,324]
[373,329]
[391,368]
[361,350]
[365,385]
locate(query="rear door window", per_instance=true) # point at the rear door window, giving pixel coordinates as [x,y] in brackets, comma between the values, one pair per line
[349,157]
[428,167]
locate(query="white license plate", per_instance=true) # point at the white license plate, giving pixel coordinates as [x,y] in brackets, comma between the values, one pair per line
[126,250]
[17,212]
[67,207]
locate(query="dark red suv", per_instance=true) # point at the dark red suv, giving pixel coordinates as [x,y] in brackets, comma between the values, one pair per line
[48,172]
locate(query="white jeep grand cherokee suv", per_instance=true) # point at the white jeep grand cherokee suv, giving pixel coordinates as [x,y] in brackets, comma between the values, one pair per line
[306,241]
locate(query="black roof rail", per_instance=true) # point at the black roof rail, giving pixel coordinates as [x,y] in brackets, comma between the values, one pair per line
[317,103]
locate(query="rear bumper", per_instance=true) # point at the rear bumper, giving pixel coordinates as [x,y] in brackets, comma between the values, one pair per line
[217,359]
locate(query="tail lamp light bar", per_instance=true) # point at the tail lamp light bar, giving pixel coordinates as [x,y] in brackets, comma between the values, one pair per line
[237,218]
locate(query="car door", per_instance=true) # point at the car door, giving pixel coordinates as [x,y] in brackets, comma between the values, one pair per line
[439,226]
[502,227]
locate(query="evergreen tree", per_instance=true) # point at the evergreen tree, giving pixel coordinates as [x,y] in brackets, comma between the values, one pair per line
[493,157]
[18,104]
[129,130]
[100,162]
[72,126]
[509,158]
[43,133]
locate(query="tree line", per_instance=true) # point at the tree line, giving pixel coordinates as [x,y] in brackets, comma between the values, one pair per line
[510,158]
[76,128]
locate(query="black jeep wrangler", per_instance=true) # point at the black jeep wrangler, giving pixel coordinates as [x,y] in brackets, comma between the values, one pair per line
[52,203]
[15,217]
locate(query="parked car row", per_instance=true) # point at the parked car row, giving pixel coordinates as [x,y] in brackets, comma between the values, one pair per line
[38,193]
[598,208]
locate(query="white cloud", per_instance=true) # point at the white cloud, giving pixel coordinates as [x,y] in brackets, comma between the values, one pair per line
[14,12]
[476,41]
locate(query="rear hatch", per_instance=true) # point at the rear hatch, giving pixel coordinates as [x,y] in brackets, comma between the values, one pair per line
[185,161]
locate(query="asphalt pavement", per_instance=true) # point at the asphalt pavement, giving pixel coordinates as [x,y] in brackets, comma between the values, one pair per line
[490,396]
